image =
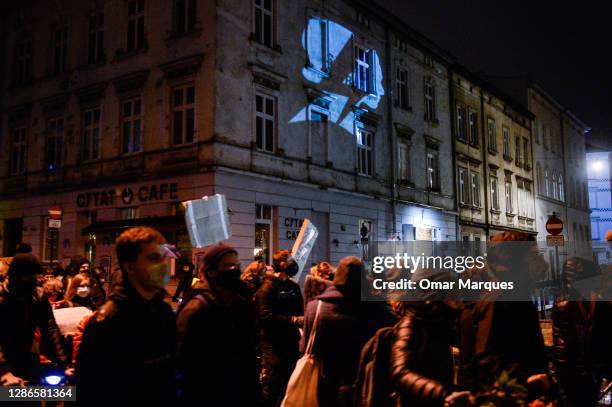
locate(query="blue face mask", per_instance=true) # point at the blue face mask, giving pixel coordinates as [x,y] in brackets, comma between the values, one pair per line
[159,275]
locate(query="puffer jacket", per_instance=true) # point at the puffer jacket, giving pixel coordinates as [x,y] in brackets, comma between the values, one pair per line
[421,357]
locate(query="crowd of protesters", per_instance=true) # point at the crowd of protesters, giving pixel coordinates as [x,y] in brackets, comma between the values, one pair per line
[237,335]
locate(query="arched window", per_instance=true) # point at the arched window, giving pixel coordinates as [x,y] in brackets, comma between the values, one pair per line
[554,185]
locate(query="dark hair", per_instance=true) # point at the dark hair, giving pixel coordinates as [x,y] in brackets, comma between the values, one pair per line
[23,248]
[279,257]
[129,243]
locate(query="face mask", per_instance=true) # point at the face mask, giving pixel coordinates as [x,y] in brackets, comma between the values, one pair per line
[83,291]
[292,269]
[228,278]
[159,275]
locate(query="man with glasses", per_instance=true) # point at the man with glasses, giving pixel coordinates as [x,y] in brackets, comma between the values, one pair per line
[216,336]
[127,350]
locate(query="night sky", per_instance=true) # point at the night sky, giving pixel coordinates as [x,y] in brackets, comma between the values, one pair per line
[563,47]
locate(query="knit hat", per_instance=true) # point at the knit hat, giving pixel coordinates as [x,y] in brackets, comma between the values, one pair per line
[348,276]
[214,254]
[25,264]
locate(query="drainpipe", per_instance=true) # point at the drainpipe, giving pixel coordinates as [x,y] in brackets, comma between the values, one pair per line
[392,146]
[486,173]
[453,112]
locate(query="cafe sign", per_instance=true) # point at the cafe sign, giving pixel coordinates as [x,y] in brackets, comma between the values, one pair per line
[128,195]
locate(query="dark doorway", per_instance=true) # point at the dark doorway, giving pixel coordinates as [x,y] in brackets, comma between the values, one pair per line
[12,235]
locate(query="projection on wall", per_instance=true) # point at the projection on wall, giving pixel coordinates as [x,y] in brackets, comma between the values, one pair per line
[347,73]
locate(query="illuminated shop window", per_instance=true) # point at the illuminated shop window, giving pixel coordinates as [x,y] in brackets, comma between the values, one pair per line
[265,122]
[91,134]
[183,118]
[131,126]
[263,233]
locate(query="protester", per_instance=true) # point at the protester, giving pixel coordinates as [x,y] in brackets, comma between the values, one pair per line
[317,281]
[78,294]
[345,325]
[216,336]
[421,356]
[3,270]
[53,291]
[24,308]
[184,271]
[280,310]
[253,275]
[129,343]
[498,335]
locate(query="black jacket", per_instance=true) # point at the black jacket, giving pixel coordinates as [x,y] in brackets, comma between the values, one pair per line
[277,301]
[127,351]
[18,321]
[421,358]
[500,336]
[344,328]
[216,344]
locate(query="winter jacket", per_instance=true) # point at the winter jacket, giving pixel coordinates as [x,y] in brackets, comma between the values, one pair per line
[572,340]
[18,321]
[421,357]
[128,346]
[499,336]
[344,327]
[216,345]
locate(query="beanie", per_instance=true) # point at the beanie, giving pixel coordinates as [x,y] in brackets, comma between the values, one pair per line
[214,254]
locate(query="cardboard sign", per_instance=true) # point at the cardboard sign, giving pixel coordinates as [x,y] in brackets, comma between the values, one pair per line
[207,220]
[303,245]
[68,319]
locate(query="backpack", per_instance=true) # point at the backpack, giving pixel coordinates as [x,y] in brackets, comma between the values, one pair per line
[374,385]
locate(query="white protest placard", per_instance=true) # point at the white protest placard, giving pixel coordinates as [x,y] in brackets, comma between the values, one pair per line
[207,220]
[68,319]
[303,245]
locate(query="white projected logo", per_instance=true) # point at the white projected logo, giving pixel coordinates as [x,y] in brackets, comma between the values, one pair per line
[361,82]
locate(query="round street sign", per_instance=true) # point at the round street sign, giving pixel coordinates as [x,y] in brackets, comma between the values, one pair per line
[55,212]
[554,226]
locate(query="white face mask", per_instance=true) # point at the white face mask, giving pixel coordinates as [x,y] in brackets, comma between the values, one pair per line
[159,275]
[83,291]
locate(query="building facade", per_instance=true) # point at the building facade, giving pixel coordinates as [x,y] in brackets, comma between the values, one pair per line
[117,111]
[494,169]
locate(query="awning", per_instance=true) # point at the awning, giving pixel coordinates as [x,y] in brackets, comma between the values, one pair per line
[161,223]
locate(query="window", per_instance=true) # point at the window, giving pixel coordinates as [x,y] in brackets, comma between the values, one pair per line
[464,192]
[363,20]
[184,16]
[131,126]
[136,25]
[23,65]
[265,122]
[318,136]
[475,177]
[317,42]
[60,49]
[91,134]
[536,132]
[364,152]
[473,127]
[433,170]
[529,200]
[54,144]
[561,190]
[526,159]
[506,135]
[539,178]
[544,137]
[18,150]
[129,213]
[494,194]
[554,185]
[402,162]
[430,99]
[492,136]
[401,88]
[518,150]
[263,233]
[183,118]
[362,75]
[461,123]
[264,22]
[95,47]
[509,208]
[546,190]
